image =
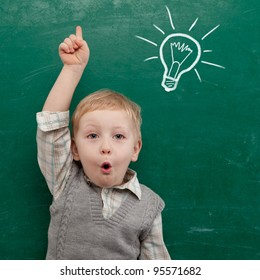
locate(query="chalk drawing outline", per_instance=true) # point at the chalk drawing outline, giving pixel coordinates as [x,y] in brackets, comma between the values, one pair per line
[179,45]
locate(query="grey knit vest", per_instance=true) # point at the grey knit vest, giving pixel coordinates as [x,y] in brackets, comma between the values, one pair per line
[79,231]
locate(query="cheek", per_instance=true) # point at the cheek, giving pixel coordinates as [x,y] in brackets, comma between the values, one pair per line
[85,151]
[127,154]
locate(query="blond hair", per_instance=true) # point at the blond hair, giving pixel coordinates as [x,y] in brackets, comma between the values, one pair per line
[107,99]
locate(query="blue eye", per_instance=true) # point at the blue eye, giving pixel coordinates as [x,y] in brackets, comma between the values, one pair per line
[119,137]
[92,136]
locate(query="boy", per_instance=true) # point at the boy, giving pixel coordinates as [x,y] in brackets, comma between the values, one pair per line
[99,209]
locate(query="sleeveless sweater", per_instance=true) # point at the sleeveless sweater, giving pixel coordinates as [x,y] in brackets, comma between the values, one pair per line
[78,229]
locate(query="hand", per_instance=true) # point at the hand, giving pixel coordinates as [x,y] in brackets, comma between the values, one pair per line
[74,50]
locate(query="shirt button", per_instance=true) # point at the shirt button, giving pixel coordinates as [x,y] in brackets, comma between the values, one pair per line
[106,191]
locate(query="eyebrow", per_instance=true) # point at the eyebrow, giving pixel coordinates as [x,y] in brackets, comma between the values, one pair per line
[89,126]
[121,127]
[118,127]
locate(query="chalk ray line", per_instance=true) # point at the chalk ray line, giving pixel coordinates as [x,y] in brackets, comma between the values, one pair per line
[213,64]
[159,29]
[197,73]
[213,29]
[146,40]
[170,17]
[194,23]
[150,58]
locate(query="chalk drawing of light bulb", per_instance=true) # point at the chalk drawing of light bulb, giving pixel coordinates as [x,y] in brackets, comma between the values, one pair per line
[179,53]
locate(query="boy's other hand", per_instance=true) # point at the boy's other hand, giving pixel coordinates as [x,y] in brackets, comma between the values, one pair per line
[74,50]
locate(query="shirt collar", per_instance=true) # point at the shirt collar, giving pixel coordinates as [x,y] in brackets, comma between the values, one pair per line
[130,183]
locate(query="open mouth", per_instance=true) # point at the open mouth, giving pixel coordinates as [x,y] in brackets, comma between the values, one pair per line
[106,167]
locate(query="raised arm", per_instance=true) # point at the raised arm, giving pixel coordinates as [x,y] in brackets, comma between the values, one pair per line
[53,135]
[74,53]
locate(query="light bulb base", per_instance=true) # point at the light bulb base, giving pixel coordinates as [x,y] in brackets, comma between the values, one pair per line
[169,83]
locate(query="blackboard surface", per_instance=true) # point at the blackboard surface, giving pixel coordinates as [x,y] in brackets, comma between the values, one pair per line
[200,140]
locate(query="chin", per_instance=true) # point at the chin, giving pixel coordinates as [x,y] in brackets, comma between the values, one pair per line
[109,184]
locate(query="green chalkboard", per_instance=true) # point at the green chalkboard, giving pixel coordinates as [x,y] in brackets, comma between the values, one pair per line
[201,128]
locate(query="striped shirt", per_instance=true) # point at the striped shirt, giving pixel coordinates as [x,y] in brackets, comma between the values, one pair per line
[55,161]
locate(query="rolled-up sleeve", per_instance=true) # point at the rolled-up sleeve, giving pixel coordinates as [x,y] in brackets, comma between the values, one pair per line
[54,149]
[153,247]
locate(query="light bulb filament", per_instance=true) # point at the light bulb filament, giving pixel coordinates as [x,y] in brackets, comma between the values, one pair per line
[179,53]
[180,47]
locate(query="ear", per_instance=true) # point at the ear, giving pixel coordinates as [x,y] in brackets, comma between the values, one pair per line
[137,149]
[74,150]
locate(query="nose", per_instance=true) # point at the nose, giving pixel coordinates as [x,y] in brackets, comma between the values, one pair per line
[105,148]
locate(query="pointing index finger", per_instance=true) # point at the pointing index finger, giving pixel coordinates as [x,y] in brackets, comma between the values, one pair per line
[79,32]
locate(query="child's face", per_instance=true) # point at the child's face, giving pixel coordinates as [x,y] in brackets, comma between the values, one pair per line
[106,143]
